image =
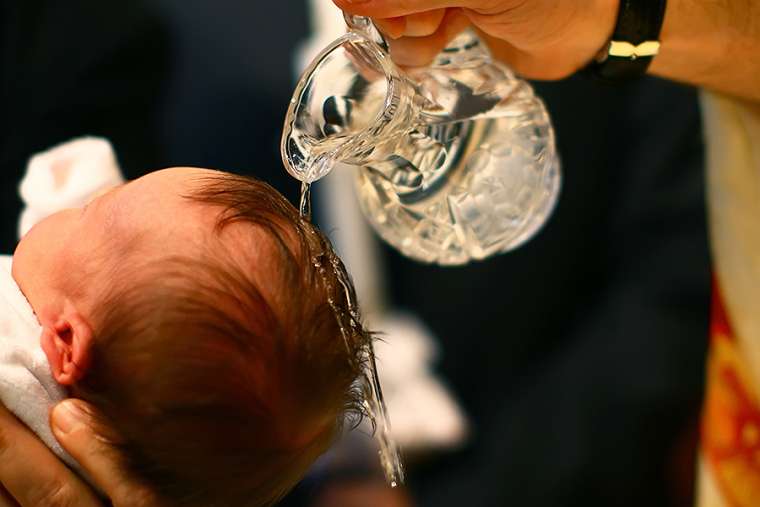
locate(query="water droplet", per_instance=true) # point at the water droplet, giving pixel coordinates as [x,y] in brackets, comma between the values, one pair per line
[305,205]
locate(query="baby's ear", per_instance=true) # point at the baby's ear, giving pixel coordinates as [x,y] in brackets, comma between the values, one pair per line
[67,344]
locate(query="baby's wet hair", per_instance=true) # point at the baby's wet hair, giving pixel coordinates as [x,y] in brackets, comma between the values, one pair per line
[224,391]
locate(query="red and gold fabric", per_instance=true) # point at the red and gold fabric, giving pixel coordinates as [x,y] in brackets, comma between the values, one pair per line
[731,418]
[729,469]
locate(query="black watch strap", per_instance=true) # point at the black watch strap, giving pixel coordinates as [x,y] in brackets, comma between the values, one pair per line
[635,41]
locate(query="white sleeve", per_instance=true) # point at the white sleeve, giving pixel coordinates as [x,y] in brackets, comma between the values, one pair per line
[66,176]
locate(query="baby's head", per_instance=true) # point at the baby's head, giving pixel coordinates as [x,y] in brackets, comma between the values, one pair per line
[187,307]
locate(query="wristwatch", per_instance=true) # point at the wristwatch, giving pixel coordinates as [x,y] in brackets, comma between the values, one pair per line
[635,41]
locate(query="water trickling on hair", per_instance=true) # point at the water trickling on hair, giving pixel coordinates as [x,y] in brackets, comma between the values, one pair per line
[369,381]
[374,402]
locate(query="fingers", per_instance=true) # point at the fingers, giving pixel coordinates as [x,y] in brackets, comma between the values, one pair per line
[380,9]
[419,51]
[424,24]
[413,25]
[73,425]
[32,474]
[392,27]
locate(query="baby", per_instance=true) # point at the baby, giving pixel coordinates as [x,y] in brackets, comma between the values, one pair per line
[187,307]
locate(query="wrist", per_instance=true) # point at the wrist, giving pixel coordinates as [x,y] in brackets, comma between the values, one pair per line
[579,42]
[691,40]
[711,44]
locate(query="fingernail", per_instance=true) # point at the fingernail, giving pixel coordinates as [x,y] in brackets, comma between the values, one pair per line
[66,416]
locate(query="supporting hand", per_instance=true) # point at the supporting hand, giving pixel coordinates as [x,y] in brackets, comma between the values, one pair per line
[32,476]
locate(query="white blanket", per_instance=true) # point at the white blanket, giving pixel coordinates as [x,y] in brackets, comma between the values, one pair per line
[64,177]
[26,386]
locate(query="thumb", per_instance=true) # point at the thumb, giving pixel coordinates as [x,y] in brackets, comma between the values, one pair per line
[74,424]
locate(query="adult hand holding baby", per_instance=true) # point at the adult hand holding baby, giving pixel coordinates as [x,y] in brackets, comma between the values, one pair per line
[32,476]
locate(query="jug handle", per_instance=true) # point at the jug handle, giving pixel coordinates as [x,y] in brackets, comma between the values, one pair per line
[365,25]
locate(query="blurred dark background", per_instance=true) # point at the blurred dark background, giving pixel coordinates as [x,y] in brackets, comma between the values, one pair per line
[578,358]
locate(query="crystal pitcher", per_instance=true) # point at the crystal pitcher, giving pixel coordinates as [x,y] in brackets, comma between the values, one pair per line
[454,162]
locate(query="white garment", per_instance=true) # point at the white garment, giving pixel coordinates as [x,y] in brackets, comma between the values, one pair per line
[64,177]
[27,387]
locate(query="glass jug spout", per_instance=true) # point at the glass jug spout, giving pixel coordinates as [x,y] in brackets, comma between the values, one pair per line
[351,103]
